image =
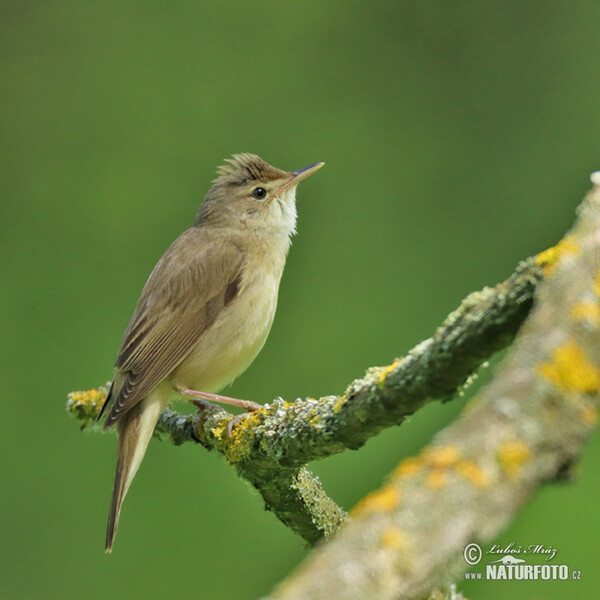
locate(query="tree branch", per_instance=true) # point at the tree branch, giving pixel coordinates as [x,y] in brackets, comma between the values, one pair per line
[270,447]
[525,429]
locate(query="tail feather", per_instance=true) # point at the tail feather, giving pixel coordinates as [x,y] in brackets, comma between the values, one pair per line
[135,429]
[116,502]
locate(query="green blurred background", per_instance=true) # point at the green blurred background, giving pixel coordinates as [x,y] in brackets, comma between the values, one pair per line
[458,136]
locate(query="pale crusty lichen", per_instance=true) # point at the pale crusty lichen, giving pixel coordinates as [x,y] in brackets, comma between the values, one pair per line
[325,514]
[393,538]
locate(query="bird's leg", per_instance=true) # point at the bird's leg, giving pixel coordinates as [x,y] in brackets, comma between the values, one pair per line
[245,404]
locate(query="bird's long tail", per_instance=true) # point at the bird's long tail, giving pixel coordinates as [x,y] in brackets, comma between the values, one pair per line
[135,429]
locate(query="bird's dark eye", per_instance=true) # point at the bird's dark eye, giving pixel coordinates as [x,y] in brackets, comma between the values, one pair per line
[259,193]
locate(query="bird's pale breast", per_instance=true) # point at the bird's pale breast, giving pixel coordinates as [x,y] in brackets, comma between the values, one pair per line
[237,336]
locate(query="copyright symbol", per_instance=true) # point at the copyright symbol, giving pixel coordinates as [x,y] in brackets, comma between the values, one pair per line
[472,554]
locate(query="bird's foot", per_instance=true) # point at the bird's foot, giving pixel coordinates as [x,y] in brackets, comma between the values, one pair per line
[234,422]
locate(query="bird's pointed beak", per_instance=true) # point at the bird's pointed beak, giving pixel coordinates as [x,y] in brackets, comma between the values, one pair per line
[297,176]
[304,172]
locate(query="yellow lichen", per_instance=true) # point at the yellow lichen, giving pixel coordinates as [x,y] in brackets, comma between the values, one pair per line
[385,371]
[570,370]
[86,404]
[587,310]
[338,405]
[437,478]
[393,538]
[88,398]
[238,441]
[589,415]
[549,258]
[383,500]
[470,470]
[221,429]
[409,467]
[512,455]
[442,456]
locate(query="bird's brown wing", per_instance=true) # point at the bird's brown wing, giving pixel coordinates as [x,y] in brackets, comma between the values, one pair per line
[198,276]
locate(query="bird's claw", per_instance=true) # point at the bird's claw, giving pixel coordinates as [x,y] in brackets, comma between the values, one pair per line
[234,421]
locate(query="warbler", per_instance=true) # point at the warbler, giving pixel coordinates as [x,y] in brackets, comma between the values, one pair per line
[206,309]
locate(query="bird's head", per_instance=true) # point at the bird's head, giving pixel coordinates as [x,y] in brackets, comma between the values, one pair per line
[250,193]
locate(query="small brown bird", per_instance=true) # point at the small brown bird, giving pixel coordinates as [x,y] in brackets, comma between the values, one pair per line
[206,309]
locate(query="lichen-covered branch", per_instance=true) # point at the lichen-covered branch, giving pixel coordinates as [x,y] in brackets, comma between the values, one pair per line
[525,429]
[293,494]
[270,447]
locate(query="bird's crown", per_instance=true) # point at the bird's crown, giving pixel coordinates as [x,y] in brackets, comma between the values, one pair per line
[246,167]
